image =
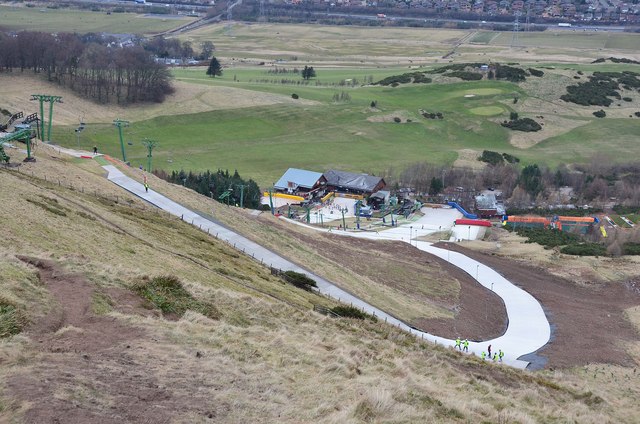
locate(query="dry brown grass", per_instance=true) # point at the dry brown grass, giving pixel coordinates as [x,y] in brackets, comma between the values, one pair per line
[187,99]
[582,270]
[293,242]
[327,45]
[264,360]
[468,158]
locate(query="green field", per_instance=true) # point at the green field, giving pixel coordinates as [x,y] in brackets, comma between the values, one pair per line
[257,75]
[69,20]
[484,37]
[487,110]
[262,142]
[262,138]
[616,139]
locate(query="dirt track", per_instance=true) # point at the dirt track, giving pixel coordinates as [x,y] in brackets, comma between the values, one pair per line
[588,323]
[91,370]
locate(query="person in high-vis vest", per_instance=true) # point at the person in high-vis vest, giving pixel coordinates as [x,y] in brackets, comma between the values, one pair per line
[483,355]
[500,354]
[466,345]
[458,341]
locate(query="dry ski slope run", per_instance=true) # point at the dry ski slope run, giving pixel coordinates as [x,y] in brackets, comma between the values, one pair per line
[528,329]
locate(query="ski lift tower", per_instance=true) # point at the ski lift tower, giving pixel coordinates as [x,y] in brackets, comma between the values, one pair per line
[242,187]
[149,144]
[516,28]
[120,123]
[46,98]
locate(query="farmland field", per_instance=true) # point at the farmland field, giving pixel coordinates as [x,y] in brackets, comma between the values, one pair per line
[58,20]
[249,120]
[484,37]
[348,45]
[566,38]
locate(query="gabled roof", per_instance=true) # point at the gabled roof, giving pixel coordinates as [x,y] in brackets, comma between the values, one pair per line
[352,181]
[300,178]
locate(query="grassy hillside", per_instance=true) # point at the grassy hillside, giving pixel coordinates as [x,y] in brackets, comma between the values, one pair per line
[247,119]
[262,141]
[262,356]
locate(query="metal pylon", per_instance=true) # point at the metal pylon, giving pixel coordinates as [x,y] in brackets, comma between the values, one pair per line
[120,123]
[46,98]
[515,42]
[150,145]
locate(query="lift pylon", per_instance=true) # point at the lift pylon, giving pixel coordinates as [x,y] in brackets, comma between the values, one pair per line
[120,123]
[46,98]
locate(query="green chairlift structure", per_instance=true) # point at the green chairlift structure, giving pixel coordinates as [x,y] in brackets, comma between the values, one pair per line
[308,214]
[242,187]
[357,207]
[120,123]
[150,145]
[226,195]
[24,135]
[51,100]
[344,223]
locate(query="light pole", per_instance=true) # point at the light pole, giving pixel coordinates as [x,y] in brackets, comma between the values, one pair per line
[410,234]
[469,233]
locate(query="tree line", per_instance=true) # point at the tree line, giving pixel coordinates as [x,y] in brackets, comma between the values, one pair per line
[103,73]
[214,184]
[596,183]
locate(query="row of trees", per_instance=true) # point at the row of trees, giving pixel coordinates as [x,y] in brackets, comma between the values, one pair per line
[96,71]
[214,184]
[596,182]
[171,47]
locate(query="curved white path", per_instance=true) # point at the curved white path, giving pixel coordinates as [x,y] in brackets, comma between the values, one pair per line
[527,330]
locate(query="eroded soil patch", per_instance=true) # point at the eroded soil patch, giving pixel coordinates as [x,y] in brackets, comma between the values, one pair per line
[86,368]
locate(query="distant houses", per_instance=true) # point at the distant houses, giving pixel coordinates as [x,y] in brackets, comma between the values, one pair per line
[176,61]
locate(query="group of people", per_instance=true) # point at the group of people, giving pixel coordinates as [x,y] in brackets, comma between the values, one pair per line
[497,356]
[463,346]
